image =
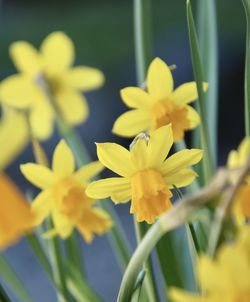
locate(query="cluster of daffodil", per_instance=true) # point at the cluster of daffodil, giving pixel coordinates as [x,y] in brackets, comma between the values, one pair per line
[48,91]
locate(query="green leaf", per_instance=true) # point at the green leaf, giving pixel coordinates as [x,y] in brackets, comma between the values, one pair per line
[77,286]
[3,295]
[246,4]
[208,165]
[8,274]
[208,38]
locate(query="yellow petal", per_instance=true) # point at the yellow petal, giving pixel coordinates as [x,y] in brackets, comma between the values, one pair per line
[135,97]
[139,155]
[131,123]
[160,143]
[94,221]
[181,160]
[193,117]
[38,175]
[114,157]
[116,186]
[233,160]
[42,120]
[187,93]
[57,52]
[244,151]
[181,178]
[18,91]
[159,79]
[178,295]
[25,58]
[13,125]
[84,78]
[41,206]
[62,226]
[88,171]
[16,217]
[73,106]
[63,163]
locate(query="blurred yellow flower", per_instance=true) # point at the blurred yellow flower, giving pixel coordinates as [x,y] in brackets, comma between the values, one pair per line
[159,106]
[225,278]
[16,216]
[63,195]
[237,159]
[146,177]
[47,83]
[14,136]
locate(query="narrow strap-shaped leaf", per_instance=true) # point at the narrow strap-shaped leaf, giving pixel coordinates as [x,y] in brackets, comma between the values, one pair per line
[198,74]
[208,38]
[246,4]
[3,295]
[77,286]
[10,277]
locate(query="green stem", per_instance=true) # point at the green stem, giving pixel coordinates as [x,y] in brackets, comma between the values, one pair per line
[198,74]
[246,4]
[73,252]
[58,267]
[151,288]
[40,254]
[143,38]
[142,252]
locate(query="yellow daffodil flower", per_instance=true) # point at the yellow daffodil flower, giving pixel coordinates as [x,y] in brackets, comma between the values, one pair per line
[14,136]
[146,177]
[237,159]
[158,106]
[225,278]
[63,195]
[16,216]
[47,83]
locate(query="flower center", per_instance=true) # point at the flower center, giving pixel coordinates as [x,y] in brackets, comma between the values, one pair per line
[70,198]
[150,195]
[165,112]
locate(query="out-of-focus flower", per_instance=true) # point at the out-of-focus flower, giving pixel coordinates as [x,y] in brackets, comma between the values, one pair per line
[16,216]
[63,195]
[159,106]
[14,136]
[237,159]
[47,83]
[225,278]
[146,175]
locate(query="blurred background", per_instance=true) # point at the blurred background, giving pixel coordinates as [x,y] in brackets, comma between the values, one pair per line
[103,35]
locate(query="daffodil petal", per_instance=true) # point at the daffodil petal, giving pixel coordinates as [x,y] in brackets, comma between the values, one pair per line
[57,52]
[38,175]
[193,117]
[114,157]
[139,155]
[178,295]
[233,159]
[63,163]
[63,226]
[187,93]
[244,151]
[104,188]
[41,206]
[84,78]
[18,91]
[131,123]
[159,145]
[42,120]
[135,97]
[181,160]
[88,171]
[181,178]
[25,58]
[159,79]
[13,125]
[73,106]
